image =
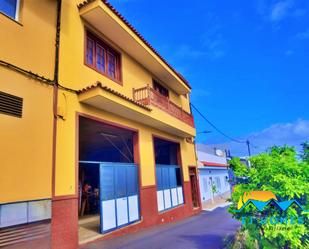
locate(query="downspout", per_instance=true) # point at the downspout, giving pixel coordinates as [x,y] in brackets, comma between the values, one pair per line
[55,96]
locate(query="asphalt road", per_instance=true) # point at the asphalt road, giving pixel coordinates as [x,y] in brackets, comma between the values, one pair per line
[206,230]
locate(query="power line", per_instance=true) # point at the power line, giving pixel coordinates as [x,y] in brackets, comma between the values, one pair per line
[36,76]
[247,142]
[217,129]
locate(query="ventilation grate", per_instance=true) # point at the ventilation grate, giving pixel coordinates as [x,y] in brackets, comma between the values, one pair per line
[35,235]
[11,105]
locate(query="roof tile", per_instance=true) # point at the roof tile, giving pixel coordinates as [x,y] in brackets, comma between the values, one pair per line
[110,90]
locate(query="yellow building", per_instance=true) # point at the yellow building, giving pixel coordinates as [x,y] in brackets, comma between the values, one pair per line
[27,38]
[108,141]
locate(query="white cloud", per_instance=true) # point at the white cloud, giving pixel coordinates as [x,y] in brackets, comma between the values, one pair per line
[303,35]
[275,11]
[280,10]
[289,52]
[299,12]
[185,51]
[211,50]
[292,134]
[213,41]
[198,94]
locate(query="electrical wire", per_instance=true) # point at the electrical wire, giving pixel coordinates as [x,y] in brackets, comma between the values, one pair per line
[28,73]
[116,147]
[128,149]
[254,146]
[215,127]
[35,76]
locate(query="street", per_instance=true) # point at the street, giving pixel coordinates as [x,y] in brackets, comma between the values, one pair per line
[206,230]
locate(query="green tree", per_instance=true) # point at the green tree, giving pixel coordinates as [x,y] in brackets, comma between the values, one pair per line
[305,152]
[238,168]
[280,171]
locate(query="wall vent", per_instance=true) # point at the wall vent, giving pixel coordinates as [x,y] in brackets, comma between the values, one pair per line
[11,105]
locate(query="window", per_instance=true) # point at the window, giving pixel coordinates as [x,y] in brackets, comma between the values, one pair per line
[205,184]
[160,89]
[102,58]
[10,8]
[226,181]
[218,183]
[111,65]
[25,212]
[178,177]
[90,51]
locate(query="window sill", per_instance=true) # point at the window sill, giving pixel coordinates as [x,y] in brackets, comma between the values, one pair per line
[12,19]
[171,209]
[104,74]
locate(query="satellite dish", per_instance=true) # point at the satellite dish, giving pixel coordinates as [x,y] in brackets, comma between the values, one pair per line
[219,152]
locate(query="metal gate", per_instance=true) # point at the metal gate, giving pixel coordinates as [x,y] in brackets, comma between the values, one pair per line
[169,188]
[119,195]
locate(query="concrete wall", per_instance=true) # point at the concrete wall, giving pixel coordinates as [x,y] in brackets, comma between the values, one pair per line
[205,182]
[26,142]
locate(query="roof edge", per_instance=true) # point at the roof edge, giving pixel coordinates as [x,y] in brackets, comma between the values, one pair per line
[117,13]
[212,164]
[98,84]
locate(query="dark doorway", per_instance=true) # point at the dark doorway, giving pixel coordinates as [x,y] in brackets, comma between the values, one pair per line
[104,142]
[108,177]
[194,187]
[99,142]
[166,152]
[89,189]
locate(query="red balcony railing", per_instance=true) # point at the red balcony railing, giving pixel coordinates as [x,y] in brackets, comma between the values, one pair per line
[148,96]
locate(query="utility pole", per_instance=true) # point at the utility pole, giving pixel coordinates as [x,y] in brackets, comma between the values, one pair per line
[248,145]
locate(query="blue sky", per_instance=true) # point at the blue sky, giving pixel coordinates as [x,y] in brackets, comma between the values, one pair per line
[247,62]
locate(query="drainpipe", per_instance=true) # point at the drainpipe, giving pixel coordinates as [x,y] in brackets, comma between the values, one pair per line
[195,152]
[55,94]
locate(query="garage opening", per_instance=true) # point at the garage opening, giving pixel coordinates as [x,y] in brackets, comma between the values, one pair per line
[168,174]
[108,178]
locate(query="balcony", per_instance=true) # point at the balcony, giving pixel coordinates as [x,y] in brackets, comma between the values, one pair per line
[148,96]
[166,117]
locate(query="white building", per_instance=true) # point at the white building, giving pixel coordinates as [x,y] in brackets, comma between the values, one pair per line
[213,177]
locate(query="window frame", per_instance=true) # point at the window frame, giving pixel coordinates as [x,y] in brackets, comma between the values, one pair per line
[107,50]
[156,83]
[16,15]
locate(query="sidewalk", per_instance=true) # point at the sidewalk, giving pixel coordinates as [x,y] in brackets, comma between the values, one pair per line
[219,201]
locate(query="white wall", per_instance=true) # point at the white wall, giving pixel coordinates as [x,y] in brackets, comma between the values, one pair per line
[205,182]
[207,157]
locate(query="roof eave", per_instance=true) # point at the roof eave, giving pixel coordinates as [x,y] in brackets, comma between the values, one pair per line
[170,73]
